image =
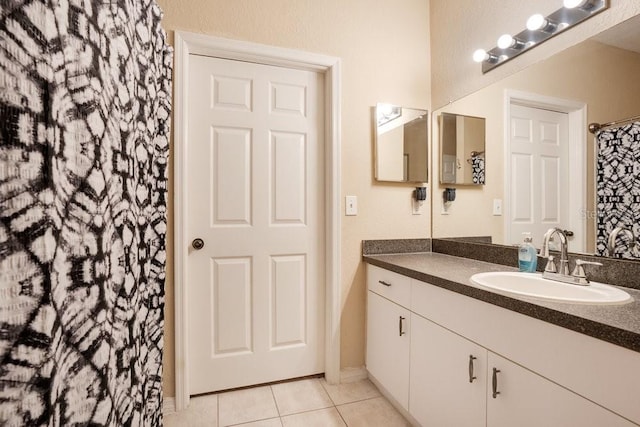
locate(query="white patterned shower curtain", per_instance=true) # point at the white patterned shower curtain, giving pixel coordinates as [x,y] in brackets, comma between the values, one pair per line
[85,99]
[618,184]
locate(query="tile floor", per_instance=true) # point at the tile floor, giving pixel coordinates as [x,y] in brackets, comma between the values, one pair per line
[307,402]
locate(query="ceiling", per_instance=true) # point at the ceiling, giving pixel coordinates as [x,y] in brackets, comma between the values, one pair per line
[625,35]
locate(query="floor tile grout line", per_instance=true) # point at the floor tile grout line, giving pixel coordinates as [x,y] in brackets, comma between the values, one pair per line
[253,421]
[341,417]
[352,401]
[329,407]
[280,416]
[327,391]
[275,401]
[360,400]
[308,410]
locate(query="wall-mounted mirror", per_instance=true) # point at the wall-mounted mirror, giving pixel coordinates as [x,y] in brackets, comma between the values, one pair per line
[401,148]
[593,81]
[462,146]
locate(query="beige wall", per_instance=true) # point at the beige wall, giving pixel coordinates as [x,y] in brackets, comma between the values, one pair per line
[385,58]
[603,77]
[460,27]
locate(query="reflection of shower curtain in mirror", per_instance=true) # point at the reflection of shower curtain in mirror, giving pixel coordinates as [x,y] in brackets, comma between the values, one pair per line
[477,169]
[618,184]
[84,112]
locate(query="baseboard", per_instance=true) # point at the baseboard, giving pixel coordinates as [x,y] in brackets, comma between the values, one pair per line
[169,405]
[351,375]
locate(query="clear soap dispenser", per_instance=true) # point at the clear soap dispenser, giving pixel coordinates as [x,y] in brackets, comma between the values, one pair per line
[527,255]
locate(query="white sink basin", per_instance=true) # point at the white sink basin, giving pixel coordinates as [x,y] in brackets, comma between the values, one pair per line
[533,285]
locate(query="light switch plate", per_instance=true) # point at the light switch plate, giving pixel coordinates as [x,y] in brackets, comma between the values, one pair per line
[351,205]
[497,207]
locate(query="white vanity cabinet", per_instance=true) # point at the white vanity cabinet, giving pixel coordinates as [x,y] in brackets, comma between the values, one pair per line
[452,383]
[388,332]
[448,380]
[525,399]
[545,375]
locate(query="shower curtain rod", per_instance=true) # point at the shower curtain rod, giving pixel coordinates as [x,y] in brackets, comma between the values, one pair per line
[595,127]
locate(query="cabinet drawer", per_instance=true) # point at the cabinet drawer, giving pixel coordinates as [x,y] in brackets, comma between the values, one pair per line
[390,285]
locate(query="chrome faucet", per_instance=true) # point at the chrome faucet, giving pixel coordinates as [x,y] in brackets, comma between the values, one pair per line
[611,244]
[578,276]
[564,252]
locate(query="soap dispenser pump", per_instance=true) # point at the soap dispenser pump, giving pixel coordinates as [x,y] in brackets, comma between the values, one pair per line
[527,255]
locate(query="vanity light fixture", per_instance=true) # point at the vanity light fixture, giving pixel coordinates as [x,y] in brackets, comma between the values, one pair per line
[538,22]
[481,55]
[508,41]
[539,29]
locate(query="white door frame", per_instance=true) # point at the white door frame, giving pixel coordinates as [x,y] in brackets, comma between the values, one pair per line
[577,112]
[190,43]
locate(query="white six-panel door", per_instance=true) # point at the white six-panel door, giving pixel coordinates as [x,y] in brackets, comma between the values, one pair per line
[255,196]
[539,172]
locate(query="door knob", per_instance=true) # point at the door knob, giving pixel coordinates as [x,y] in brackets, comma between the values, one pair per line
[568,233]
[197,244]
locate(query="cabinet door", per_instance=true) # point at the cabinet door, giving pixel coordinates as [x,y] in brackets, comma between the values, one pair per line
[388,329]
[526,399]
[448,377]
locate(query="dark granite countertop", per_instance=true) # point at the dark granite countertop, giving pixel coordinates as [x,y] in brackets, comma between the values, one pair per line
[617,324]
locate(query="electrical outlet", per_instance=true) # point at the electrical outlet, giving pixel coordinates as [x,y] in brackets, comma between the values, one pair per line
[497,207]
[416,206]
[445,207]
[351,205]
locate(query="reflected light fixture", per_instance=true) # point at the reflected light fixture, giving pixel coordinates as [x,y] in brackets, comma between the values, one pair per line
[387,113]
[539,28]
[580,4]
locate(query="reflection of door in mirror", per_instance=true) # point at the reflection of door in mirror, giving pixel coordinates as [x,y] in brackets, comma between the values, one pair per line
[537,171]
[545,170]
[462,146]
[448,143]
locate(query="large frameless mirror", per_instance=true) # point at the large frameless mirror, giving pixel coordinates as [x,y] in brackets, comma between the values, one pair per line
[593,81]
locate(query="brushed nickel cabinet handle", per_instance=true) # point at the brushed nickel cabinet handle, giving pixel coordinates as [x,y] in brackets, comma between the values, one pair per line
[494,382]
[471,376]
[382,282]
[401,332]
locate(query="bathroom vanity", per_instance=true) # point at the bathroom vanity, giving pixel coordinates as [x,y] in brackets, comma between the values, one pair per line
[451,353]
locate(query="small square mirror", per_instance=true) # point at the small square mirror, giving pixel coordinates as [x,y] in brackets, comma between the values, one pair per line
[401,148]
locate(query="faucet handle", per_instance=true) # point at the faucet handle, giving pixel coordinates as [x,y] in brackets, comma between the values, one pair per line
[551,265]
[578,271]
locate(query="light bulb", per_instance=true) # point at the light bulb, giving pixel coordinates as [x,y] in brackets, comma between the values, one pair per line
[386,110]
[505,41]
[480,55]
[572,4]
[536,22]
